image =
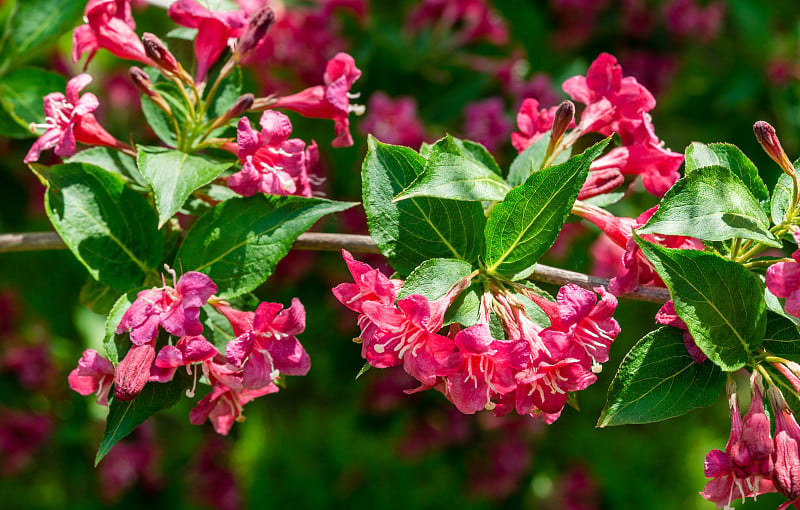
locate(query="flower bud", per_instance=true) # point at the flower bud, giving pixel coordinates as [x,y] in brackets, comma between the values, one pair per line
[766,136]
[241,105]
[256,29]
[142,82]
[159,54]
[133,371]
[565,114]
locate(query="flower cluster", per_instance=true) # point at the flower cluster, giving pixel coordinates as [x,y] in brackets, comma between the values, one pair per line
[613,104]
[522,365]
[265,347]
[753,462]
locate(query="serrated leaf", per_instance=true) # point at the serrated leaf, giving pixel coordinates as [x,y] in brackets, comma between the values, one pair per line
[111,160]
[415,230]
[700,155]
[455,173]
[530,160]
[781,200]
[711,203]
[657,380]
[363,370]
[782,337]
[522,227]
[21,93]
[109,228]
[478,153]
[159,121]
[125,416]
[721,302]
[173,176]
[239,242]
[433,278]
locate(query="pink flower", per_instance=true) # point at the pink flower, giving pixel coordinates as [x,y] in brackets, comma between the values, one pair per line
[331,101]
[109,25]
[271,348]
[177,309]
[272,163]
[642,154]
[786,455]
[533,123]
[481,367]
[214,30]
[69,119]
[609,98]
[132,460]
[393,121]
[22,434]
[668,316]
[783,280]
[93,375]
[225,403]
[189,349]
[370,285]
[485,122]
[469,20]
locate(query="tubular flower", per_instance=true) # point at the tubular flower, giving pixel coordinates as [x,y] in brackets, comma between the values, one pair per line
[668,316]
[189,349]
[272,163]
[329,101]
[783,280]
[214,30]
[93,375]
[370,285]
[786,455]
[176,309]
[109,25]
[68,119]
[533,123]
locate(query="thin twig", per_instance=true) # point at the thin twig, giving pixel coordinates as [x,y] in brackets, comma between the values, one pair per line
[37,241]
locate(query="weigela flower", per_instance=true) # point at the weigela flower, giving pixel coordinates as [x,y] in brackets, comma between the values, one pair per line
[176,309]
[786,455]
[214,30]
[272,162]
[109,25]
[370,285]
[533,123]
[783,280]
[609,97]
[329,101]
[642,154]
[469,20]
[271,348]
[21,435]
[189,349]
[480,367]
[93,375]
[485,122]
[68,119]
[133,372]
[668,316]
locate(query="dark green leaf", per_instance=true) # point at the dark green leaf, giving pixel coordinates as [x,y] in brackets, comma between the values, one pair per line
[711,204]
[227,94]
[782,337]
[415,230]
[721,302]
[529,161]
[216,328]
[452,172]
[21,93]
[465,308]
[98,297]
[700,155]
[117,346]
[239,242]
[433,278]
[109,228]
[124,417]
[657,380]
[522,227]
[174,175]
[158,120]
[476,152]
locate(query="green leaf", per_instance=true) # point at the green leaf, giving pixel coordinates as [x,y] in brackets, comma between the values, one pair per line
[216,328]
[174,175]
[711,203]
[781,198]
[522,227]
[98,297]
[700,155]
[159,121]
[782,337]
[36,24]
[112,161]
[452,172]
[529,161]
[477,153]
[433,278]
[229,91]
[109,228]
[125,416]
[415,230]
[116,346]
[657,380]
[465,308]
[239,242]
[21,93]
[721,302]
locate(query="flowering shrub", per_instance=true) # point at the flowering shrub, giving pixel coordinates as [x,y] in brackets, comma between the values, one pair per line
[180,226]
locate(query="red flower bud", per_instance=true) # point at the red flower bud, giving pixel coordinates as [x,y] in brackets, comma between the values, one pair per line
[256,29]
[133,371]
[766,136]
[565,114]
[159,54]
